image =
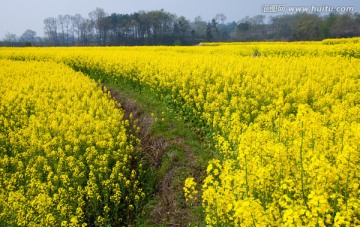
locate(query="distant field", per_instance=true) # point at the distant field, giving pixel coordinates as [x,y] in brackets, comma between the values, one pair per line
[284,119]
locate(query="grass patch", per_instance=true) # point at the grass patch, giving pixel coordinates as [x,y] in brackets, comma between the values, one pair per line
[173,150]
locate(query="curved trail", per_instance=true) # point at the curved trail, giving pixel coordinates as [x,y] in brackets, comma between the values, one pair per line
[173,151]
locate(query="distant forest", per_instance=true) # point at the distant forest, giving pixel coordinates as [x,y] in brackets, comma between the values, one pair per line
[163,28]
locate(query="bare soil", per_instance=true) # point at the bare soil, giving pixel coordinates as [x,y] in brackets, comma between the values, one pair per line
[168,205]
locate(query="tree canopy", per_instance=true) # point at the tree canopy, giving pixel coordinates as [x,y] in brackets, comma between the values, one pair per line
[159,27]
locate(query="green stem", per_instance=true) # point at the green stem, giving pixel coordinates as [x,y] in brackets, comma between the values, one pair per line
[246,178]
[301,164]
[347,182]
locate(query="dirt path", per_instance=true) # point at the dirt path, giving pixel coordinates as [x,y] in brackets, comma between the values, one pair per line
[173,158]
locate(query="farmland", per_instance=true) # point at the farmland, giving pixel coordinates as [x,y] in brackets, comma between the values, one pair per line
[282,121]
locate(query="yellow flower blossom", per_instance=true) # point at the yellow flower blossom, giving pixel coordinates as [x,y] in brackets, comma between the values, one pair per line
[56,167]
[285,126]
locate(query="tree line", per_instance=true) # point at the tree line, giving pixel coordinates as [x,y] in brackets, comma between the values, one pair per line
[159,27]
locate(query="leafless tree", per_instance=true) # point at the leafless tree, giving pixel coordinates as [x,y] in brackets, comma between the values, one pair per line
[51,30]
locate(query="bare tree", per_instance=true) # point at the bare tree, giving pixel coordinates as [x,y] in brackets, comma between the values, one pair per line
[220,18]
[10,38]
[77,22]
[200,27]
[64,23]
[28,37]
[101,25]
[68,29]
[50,30]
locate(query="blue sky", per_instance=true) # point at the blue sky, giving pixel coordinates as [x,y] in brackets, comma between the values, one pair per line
[18,15]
